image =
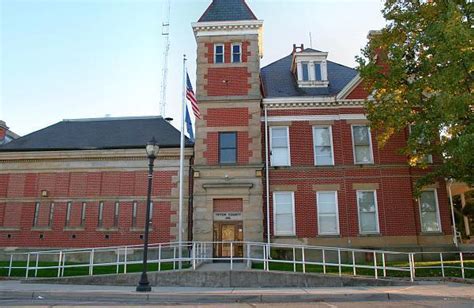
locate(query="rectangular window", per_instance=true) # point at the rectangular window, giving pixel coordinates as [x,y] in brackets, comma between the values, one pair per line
[362,144]
[83,214]
[236,53]
[368,214]
[284,213]
[280,146]
[328,212]
[218,53]
[323,150]
[317,71]
[101,214]
[37,209]
[429,211]
[51,213]
[305,68]
[116,214]
[134,214]
[228,148]
[68,213]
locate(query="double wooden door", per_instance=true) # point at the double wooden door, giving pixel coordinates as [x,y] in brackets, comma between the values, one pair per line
[228,232]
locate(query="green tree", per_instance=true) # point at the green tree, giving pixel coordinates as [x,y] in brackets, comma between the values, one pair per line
[419,71]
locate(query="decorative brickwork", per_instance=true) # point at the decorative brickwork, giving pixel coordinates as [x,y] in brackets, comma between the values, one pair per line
[227,205]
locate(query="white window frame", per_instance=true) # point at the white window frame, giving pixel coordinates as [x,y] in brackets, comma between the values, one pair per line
[215,53]
[331,143]
[287,144]
[438,218]
[337,213]
[240,53]
[376,212]
[275,232]
[370,146]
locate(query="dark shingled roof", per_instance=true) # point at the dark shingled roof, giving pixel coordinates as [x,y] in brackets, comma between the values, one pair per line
[101,133]
[227,10]
[279,81]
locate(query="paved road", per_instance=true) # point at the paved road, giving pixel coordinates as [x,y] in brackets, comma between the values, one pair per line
[13,293]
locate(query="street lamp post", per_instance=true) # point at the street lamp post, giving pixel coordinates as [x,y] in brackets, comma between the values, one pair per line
[152,151]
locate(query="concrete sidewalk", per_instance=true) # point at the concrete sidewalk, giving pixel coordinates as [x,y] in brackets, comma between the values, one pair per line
[15,292]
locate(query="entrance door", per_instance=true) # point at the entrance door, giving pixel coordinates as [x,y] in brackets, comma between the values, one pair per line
[228,232]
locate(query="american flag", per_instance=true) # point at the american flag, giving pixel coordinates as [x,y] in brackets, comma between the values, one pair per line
[192,98]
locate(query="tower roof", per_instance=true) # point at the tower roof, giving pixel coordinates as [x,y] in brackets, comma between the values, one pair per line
[227,10]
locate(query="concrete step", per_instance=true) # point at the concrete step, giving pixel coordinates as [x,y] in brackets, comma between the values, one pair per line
[227,279]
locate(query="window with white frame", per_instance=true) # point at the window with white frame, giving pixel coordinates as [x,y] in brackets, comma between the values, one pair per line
[218,53]
[328,214]
[305,71]
[284,213]
[236,53]
[368,213]
[318,76]
[280,146]
[362,144]
[323,149]
[429,211]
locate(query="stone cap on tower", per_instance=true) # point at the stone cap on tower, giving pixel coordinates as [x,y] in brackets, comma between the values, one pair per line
[227,10]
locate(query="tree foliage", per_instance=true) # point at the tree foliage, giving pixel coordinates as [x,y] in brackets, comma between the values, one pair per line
[419,71]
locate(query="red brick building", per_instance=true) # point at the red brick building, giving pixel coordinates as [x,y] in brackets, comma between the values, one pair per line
[282,153]
[83,183]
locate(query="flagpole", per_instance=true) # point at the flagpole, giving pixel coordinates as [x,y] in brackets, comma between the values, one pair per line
[181,166]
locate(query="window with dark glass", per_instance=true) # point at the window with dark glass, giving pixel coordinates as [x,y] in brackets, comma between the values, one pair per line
[218,53]
[236,53]
[305,67]
[228,148]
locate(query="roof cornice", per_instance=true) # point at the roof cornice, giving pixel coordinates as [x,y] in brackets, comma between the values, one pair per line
[220,27]
[310,102]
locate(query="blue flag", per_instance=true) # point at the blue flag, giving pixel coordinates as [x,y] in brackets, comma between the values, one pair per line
[189,124]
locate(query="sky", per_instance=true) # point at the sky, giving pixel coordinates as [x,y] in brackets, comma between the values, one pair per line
[69,59]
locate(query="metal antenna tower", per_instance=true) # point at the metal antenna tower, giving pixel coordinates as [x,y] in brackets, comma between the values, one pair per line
[165,32]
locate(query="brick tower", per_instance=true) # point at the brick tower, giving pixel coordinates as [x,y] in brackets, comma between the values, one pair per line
[228,152]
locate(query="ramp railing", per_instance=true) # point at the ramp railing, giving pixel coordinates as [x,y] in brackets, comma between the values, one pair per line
[257,256]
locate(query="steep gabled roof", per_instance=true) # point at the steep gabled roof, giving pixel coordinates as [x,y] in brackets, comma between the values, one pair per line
[100,133]
[279,81]
[227,10]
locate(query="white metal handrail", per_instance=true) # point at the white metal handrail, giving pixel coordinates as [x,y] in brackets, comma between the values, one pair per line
[198,252]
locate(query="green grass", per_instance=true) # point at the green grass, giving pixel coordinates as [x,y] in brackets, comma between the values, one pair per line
[421,269]
[79,271]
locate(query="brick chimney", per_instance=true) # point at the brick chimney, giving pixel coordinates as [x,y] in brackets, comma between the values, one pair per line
[3,131]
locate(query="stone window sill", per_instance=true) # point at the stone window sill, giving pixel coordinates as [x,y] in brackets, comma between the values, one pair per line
[10,229]
[73,229]
[135,229]
[100,229]
[41,229]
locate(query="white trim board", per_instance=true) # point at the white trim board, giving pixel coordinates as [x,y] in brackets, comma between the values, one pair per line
[331,117]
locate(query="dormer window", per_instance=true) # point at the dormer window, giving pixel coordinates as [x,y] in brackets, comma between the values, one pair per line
[310,68]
